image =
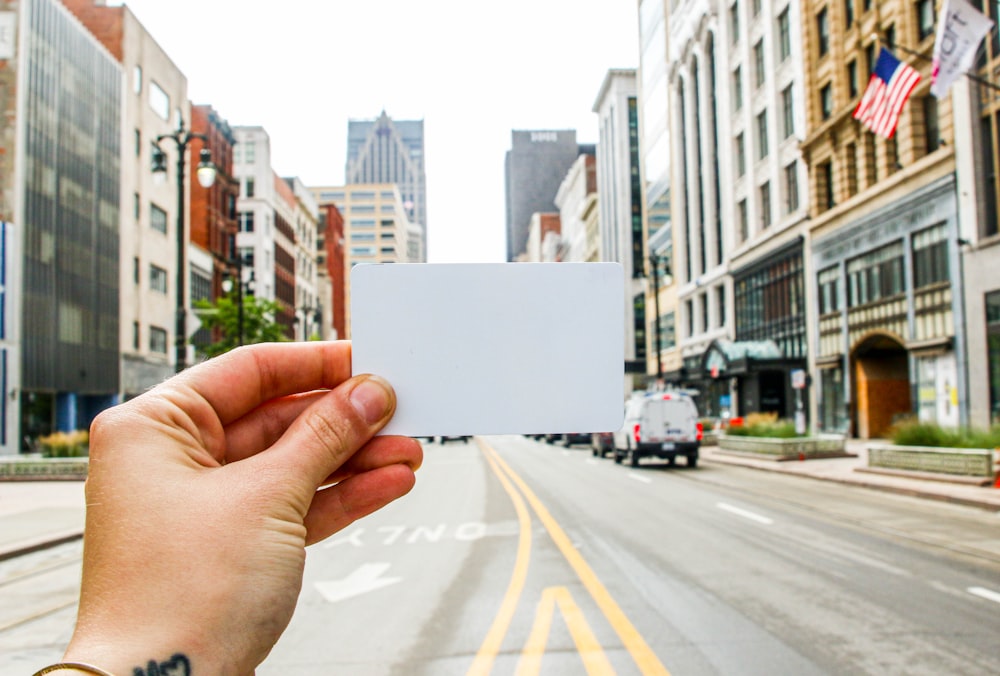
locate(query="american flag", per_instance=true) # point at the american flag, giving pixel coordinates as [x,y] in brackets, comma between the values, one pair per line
[888,89]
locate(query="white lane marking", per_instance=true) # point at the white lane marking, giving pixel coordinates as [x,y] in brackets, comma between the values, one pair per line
[767,521]
[591,461]
[985,593]
[639,477]
[361,581]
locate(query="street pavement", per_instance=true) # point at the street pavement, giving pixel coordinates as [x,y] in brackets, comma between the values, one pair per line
[38,514]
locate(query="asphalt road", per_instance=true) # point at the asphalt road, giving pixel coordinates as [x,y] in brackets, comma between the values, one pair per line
[515,557]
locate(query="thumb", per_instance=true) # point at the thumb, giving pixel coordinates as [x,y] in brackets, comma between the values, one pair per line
[329,432]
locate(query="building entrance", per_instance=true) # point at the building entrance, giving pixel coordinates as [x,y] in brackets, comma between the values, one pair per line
[881,385]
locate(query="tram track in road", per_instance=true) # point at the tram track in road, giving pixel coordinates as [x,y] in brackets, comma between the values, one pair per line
[38,585]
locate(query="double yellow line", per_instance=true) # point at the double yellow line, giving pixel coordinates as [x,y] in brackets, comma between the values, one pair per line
[645,659]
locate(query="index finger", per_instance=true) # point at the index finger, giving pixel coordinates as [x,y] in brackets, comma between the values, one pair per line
[241,380]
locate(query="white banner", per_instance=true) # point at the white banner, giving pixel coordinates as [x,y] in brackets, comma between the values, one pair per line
[961,27]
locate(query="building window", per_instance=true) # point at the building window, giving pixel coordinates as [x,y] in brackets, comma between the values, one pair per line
[824,188]
[755,5]
[667,332]
[135,335]
[762,149]
[157,279]
[791,187]
[784,35]
[852,78]
[137,79]
[787,112]
[734,22]
[703,307]
[925,18]
[138,143]
[848,13]
[157,218]
[743,220]
[250,187]
[993,349]
[157,340]
[768,303]
[826,100]
[989,126]
[249,151]
[720,305]
[760,74]
[639,325]
[765,205]
[246,221]
[870,57]
[136,206]
[828,280]
[689,311]
[875,276]
[741,155]
[737,89]
[823,32]
[932,131]
[159,101]
[135,270]
[930,256]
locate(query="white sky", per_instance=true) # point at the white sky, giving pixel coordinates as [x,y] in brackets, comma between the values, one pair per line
[472,70]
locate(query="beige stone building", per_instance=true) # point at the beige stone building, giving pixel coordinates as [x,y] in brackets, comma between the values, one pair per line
[883,264]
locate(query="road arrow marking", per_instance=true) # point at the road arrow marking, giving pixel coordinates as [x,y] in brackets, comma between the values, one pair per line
[363,580]
[984,593]
[767,521]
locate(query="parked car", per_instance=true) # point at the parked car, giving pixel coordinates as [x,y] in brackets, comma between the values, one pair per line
[464,439]
[659,424]
[571,438]
[602,443]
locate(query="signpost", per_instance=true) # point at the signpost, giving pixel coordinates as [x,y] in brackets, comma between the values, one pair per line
[799,384]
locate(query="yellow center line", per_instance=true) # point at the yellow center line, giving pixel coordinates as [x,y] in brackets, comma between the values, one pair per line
[587,646]
[644,657]
[490,647]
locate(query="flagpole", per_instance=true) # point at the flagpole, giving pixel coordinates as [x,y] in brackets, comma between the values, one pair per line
[974,78]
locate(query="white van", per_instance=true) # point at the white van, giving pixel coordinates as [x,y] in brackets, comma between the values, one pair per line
[659,424]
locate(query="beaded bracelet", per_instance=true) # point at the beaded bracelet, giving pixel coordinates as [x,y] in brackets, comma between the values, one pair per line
[79,666]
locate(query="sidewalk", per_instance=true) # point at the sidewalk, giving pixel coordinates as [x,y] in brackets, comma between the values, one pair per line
[39,514]
[852,471]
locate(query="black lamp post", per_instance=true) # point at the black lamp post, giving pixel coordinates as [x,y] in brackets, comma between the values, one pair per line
[241,288]
[206,177]
[654,263]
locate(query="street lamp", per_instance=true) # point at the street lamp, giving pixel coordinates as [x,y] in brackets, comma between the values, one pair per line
[315,313]
[654,263]
[241,287]
[205,172]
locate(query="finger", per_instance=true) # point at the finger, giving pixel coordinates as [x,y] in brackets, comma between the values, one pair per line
[239,381]
[381,452]
[330,431]
[337,507]
[263,426]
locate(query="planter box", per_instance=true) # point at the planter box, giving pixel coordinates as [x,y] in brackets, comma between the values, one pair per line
[975,462]
[822,446]
[16,468]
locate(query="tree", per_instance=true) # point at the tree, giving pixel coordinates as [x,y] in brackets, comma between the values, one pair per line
[259,325]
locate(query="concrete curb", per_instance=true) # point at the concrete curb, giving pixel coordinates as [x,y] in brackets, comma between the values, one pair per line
[863,483]
[38,544]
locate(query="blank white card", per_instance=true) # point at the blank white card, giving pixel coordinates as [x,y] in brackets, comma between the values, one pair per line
[504,348]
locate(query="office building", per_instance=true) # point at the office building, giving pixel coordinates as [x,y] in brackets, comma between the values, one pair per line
[534,168]
[61,191]
[384,150]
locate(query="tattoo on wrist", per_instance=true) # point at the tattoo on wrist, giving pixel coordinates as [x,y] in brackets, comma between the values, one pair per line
[178,665]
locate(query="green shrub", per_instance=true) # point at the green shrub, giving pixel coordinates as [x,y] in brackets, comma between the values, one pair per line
[764,425]
[65,444]
[931,434]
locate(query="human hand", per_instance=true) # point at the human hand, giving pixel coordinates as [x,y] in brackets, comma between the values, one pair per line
[203,494]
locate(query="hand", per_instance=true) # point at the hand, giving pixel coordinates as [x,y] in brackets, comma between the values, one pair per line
[204,492]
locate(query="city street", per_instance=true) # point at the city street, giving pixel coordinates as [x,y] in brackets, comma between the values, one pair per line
[513,556]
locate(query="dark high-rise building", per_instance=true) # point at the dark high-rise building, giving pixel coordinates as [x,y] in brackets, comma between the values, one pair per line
[535,167]
[384,150]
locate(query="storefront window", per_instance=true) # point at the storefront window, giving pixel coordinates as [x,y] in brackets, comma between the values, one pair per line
[832,411]
[993,352]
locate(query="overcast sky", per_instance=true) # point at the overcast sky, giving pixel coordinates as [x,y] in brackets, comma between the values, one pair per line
[473,71]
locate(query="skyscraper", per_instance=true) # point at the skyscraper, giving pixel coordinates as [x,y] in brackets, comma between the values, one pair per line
[384,150]
[535,167]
